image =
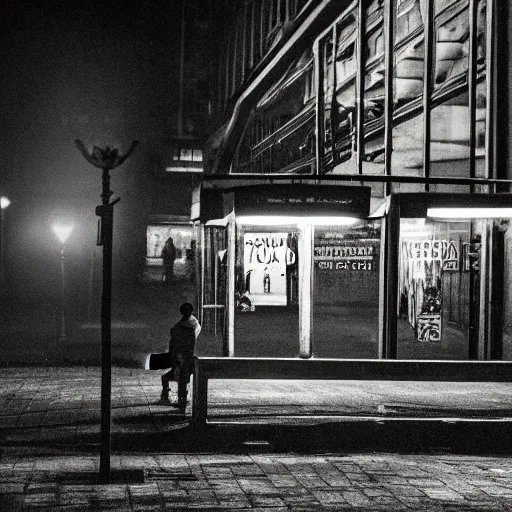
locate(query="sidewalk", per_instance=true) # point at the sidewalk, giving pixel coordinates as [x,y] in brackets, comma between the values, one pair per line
[269,446]
[61,407]
[261,483]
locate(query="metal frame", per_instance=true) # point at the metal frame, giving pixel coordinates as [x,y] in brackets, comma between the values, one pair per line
[428,74]
[472,79]
[360,78]
[389,32]
[208,368]
[389,265]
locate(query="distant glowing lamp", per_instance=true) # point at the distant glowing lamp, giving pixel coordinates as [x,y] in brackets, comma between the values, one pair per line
[269,220]
[4,204]
[62,231]
[469,213]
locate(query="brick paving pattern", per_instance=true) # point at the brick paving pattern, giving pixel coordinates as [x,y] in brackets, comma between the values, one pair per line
[262,482]
[48,417]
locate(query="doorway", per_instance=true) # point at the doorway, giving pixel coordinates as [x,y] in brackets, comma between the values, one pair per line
[266,321]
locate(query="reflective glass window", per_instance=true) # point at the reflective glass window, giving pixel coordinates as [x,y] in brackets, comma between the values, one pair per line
[450,116]
[481,90]
[374,88]
[438,289]
[280,134]
[408,83]
[503,322]
[346,263]
[339,65]
[455,290]
[213,246]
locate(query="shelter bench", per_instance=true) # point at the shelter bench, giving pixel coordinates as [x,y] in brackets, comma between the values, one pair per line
[208,368]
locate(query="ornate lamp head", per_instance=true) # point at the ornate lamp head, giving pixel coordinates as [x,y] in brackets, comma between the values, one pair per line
[106,159]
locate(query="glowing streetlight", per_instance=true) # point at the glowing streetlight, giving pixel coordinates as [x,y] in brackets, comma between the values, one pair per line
[62,232]
[4,203]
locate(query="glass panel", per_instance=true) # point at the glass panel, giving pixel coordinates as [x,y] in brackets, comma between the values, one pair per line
[450,119]
[503,295]
[169,253]
[267,308]
[346,291]
[408,132]
[374,88]
[439,278]
[264,26]
[339,93]
[344,101]
[280,136]
[481,89]
[247,38]
[327,160]
[214,283]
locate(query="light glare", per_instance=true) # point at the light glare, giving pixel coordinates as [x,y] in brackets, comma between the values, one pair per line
[62,231]
[4,202]
[469,213]
[268,220]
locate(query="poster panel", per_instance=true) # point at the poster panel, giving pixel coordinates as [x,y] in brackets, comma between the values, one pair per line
[266,256]
[340,255]
[423,263]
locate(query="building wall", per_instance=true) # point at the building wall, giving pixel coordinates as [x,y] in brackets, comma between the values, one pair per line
[438,129]
[375,116]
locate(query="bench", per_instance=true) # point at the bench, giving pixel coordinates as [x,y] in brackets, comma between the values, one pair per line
[208,368]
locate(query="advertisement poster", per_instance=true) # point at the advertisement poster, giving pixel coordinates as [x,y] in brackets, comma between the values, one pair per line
[349,256]
[422,265]
[266,256]
[446,251]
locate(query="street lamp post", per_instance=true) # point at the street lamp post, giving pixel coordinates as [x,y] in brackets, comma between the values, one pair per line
[4,204]
[106,159]
[62,231]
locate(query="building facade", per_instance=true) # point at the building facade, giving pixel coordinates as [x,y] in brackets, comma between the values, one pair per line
[356,198]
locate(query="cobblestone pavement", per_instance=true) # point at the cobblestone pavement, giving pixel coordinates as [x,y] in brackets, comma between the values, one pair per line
[49,446]
[265,482]
[67,400]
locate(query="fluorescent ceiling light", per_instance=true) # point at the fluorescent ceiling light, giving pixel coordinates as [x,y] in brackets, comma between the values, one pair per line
[4,202]
[469,213]
[277,220]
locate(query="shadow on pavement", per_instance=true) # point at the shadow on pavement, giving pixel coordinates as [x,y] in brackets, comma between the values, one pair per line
[176,435]
[347,437]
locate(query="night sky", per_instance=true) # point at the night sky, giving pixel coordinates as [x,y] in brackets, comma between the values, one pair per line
[106,73]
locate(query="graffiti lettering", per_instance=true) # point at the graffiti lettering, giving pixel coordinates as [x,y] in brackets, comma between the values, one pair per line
[338,252]
[268,250]
[446,251]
